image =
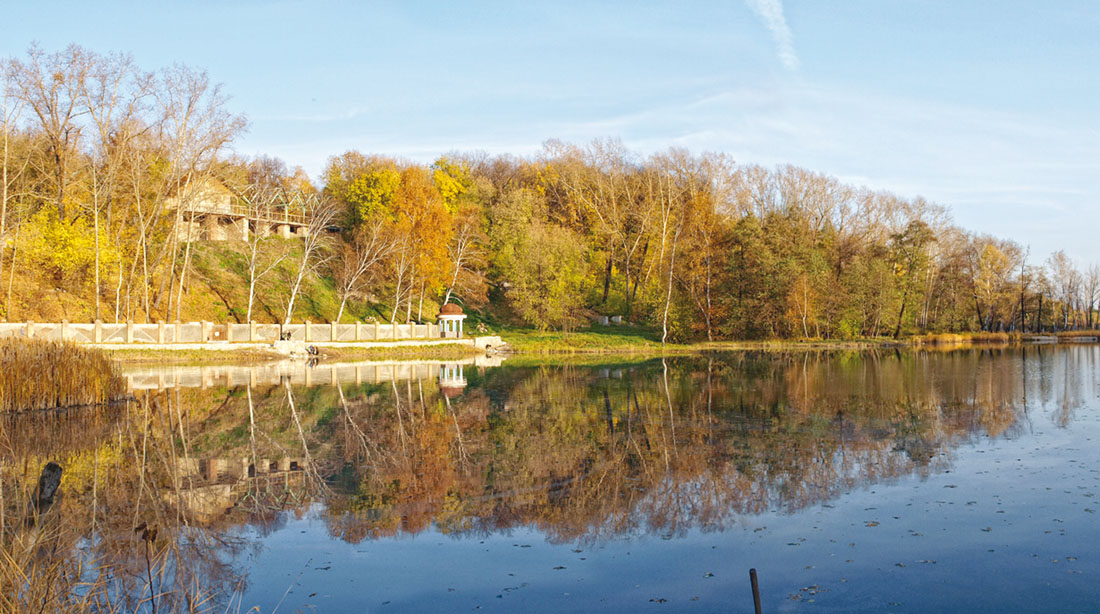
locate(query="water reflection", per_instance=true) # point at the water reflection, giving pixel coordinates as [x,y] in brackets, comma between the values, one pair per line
[156,493]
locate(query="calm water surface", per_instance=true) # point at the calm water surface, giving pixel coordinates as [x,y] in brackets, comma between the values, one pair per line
[886,481]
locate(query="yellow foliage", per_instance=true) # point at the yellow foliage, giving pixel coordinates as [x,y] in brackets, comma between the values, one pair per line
[65,249]
[371,194]
[81,470]
[452,180]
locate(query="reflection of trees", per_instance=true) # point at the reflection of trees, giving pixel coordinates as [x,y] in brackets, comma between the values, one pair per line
[141,524]
[589,453]
[580,453]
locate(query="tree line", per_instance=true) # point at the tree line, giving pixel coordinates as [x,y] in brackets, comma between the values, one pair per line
[101,160]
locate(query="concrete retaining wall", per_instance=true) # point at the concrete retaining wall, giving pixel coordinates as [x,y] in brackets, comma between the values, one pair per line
[173,333]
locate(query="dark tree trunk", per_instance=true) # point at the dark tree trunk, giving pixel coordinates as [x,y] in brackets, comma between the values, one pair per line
[606,280]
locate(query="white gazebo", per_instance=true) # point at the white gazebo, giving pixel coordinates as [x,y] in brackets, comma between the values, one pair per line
[450,321]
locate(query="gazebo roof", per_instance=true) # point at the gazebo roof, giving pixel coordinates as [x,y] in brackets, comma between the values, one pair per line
[450,309]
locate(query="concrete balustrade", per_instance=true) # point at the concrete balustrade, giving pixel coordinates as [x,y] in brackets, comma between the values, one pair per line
[177,332]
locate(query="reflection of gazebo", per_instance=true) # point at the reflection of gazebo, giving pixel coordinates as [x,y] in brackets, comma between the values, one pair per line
[451,380]
[450,321]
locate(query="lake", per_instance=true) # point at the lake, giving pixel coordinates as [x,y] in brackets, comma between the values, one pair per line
[896,481]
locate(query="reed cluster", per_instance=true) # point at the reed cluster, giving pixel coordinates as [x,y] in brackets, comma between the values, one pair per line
[939,339]
[37,374]
[1072,334]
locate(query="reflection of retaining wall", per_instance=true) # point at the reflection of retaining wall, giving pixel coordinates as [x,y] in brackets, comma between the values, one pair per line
[296,373]
[206,332]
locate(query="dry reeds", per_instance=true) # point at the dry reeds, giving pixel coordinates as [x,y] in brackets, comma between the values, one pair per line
[953,339]
[1073,334]
[47,374]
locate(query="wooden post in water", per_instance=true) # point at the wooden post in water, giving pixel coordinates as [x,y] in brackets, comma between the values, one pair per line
[755,590]
[48,483]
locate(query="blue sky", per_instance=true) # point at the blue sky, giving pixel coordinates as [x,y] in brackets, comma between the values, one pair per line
[989,108]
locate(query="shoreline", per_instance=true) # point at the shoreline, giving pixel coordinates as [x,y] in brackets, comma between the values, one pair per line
[255,353]
[526,345]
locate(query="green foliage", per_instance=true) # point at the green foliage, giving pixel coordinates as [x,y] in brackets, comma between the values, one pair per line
[542,265]
[547,276]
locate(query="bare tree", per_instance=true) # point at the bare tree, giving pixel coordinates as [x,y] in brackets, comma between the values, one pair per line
[1065,279]
[320,214]
[51,85]
[463,248]
[403,269]
[9,114]
[1091,288]
[194,126]
[259,201]
[356,258]
[113,95]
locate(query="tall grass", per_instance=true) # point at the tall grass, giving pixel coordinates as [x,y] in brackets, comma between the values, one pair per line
[1071,334]
[38,374]
[980,338]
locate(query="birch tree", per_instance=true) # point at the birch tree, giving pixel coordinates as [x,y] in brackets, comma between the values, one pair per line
[262,252]
[358,258]
[320,214]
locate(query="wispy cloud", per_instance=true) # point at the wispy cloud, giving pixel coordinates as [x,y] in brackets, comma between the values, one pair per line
[321,117]
[771,13]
